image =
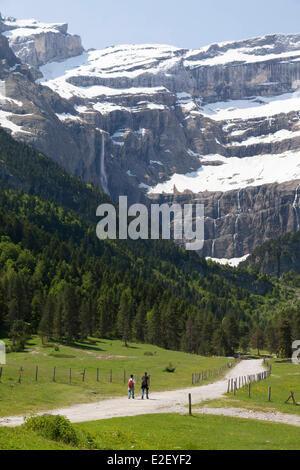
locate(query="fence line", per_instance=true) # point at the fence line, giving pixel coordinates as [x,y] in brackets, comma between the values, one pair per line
[70,375]
[196,378]
[241,381]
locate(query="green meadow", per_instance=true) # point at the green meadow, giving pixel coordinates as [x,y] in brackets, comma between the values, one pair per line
[114,362]
[285,378]
[167,432]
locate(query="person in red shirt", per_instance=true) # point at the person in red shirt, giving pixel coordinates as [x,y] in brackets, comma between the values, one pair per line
[131,387]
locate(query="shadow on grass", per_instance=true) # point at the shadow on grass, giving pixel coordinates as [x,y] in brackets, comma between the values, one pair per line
[84,346]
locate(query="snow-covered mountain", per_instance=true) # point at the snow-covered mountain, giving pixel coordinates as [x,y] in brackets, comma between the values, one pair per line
[37,43]
[220,124]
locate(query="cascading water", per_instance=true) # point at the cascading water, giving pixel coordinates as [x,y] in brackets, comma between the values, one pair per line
[215,229]
[238,201]
[214,240]
[103,176]
[296,207]
[236,224]
[219,210]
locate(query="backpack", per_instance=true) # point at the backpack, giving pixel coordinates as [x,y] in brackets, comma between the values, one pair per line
[131,383]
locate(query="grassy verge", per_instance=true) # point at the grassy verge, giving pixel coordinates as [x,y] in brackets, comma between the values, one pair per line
[106,355]
[21,439]
[171,431]
[285,378]
[166,432]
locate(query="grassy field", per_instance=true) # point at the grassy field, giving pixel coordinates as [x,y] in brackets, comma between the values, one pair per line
[21,439]
[30,396]
[285,377]
[168,432]
[171,431]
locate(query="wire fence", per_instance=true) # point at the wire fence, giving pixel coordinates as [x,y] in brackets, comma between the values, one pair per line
[211,373]
[37,374]
[246,380]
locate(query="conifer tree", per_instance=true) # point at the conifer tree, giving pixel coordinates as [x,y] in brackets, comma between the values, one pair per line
[124,316]
[257,340]
[284,337]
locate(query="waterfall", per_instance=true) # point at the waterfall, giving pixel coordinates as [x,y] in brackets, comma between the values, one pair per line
[215,229]
[213,248]
[236,224]
[296,207]
[219,212]
[214,240]
[238,201]
[103,175]
[236,233]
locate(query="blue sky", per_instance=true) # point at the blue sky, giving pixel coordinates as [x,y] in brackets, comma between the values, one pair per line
[188,23]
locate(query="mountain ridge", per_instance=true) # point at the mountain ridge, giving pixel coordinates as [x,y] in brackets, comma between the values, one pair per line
[155,119]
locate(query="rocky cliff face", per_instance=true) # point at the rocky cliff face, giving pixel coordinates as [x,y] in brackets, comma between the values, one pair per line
[236,222]
[220,124]
[37,43]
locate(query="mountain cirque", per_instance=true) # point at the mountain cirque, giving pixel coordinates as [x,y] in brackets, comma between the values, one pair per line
[220,124]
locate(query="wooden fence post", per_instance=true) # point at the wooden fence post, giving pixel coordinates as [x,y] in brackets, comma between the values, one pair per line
[1,369]
[83,375]
[249,390]
[54,372]
[269,393]
[190,404]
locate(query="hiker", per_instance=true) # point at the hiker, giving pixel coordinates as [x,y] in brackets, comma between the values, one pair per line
[131,387]
[145,385]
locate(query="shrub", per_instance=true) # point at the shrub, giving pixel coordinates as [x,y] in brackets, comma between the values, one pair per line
[54,427]
[59,428]
[170,368]
[148,353]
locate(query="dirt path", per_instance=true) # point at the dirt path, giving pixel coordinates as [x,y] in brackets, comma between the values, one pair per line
[159,402]
[273,416]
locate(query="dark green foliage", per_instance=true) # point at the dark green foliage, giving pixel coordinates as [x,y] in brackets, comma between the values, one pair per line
[170,368]
[59,280]
[257,340]
[284,336]
[59,429]
[278,257]
[54,427]
[19,334]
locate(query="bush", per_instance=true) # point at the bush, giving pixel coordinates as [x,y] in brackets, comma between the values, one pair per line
[170,368]
[54,427]
[59,428]
[148,353]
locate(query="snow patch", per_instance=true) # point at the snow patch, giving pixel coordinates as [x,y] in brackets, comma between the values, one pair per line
[8,124]
[235,173]
[233,262]
[252,108]
[65,116]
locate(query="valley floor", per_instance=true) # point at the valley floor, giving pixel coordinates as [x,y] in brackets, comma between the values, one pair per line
[160,402]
